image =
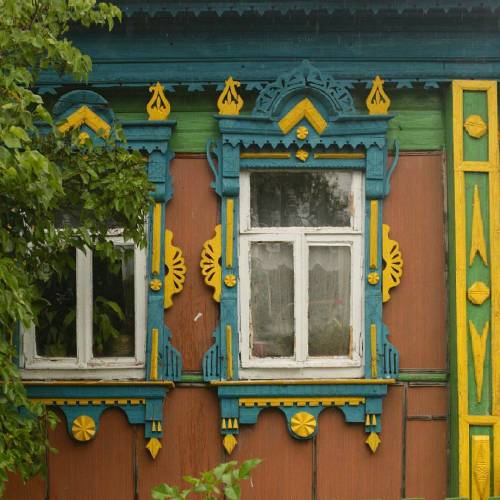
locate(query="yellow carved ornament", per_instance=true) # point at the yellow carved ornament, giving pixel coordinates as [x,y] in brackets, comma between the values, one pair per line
[85,116]
[83,428]
[229,101]
[155,285]
[302,155]
[480,467]
[479,343]
[391,275]
[373,278]
[303,424]
[474,125]
[229,442]
[158,107]
[210,263]
[154,446]
[373,441]
[478,292]
[304,109]
[175,272]
[478,243]
[378,101]
[302,133]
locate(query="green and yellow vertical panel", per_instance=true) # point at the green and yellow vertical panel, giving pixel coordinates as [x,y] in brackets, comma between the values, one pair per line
[475,276]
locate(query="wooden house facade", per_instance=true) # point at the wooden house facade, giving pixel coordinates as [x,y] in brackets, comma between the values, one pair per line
[322,280]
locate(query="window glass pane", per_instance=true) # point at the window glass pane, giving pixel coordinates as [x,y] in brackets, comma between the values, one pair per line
[55,332]
[113,305]
[312,199]
[271,299]
[329,300]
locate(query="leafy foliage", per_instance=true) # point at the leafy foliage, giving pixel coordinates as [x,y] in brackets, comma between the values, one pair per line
[41,177]
[222,481]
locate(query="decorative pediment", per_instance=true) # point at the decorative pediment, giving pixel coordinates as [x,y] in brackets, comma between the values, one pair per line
[307,79]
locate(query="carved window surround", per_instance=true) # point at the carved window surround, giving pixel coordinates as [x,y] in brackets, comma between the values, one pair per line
[303,120]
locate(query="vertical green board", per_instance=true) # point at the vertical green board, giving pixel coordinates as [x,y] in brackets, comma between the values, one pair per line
[478,272]
[475,104]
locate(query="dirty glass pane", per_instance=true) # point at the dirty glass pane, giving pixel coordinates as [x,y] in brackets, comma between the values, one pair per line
[113,306]
[55,332]
[329,300]
[271,299]
[300,199]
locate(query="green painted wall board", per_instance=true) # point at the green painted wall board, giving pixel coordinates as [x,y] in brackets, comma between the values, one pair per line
[418,121]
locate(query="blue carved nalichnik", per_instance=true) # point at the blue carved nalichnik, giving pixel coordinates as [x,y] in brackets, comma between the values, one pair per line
[142,402]
[345,131]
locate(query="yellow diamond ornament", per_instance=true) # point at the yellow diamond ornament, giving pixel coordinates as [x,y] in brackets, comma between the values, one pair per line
[475,126]
[478,292]
[302,155]
[373,441]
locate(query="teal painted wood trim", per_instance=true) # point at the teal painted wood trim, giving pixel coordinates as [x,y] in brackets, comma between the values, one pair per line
[408,49]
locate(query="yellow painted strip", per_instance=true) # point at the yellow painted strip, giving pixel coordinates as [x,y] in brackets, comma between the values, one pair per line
[373,349]
[229,351]
[278,156]
[88,401]
[338,156]
[373,234]
[154,354]
[229,232]
[337,401]
[155,256]
[482,420]
[98,382]
[310,381]
[481,467]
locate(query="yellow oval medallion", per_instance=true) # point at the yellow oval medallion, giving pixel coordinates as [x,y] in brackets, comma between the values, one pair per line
[303,424]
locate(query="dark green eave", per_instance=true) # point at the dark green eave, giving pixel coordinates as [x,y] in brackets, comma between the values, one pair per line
[262,7]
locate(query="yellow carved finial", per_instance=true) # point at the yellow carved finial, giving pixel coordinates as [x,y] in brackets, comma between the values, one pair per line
[373,441]
[229,442]
[154,447]
[230,102]
[158,107]
[378,101]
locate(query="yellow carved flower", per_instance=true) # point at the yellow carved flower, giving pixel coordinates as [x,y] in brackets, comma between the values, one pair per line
[373,278]
[230,280]
[155,285]
[302,155]
[302,132]
[303,424]
[83,428]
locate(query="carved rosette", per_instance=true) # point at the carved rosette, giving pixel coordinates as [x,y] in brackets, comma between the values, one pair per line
[391,276]
[83,428]
[210,263]
[175,269]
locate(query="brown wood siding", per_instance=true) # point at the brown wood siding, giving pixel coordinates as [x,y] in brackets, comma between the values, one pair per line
[192,215]
[101,468]
[337,465]
[286,472]
[416,313]
[426,466]
[347,469]
[191,443]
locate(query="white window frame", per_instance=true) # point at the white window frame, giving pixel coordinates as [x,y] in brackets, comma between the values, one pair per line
[300,366]
[85,365]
